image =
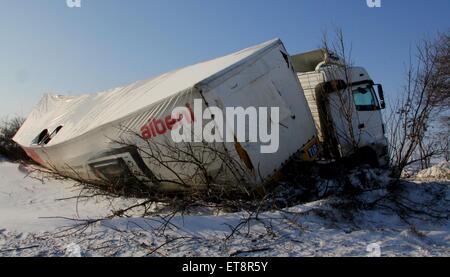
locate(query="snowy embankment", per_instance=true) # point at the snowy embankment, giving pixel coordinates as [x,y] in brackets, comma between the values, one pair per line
[437,172]
[32,224]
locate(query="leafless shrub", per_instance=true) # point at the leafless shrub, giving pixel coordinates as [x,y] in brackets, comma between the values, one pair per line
[440,53]
[198,171]
[344,102]
[421,101]
[8,148]
[443,141]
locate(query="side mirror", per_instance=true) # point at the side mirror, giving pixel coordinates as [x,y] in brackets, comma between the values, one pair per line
[381,95]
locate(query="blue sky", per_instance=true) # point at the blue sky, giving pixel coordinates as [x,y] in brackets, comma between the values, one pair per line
[47,47]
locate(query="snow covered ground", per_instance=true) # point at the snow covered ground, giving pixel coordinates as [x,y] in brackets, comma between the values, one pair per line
[32,224]
[440,171]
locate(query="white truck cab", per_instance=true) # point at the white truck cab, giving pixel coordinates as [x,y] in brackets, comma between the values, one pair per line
[345,107]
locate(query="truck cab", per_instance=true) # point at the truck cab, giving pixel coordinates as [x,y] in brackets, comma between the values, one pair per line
[346,107]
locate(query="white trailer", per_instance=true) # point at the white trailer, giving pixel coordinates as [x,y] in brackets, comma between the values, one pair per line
[345,108]
[78,135]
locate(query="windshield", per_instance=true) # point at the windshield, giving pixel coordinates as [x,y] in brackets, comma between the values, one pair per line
[365,99]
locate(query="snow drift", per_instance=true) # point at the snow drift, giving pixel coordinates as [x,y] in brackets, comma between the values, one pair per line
[440,171]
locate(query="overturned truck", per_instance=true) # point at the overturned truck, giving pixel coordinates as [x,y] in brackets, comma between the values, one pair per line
[128,134]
